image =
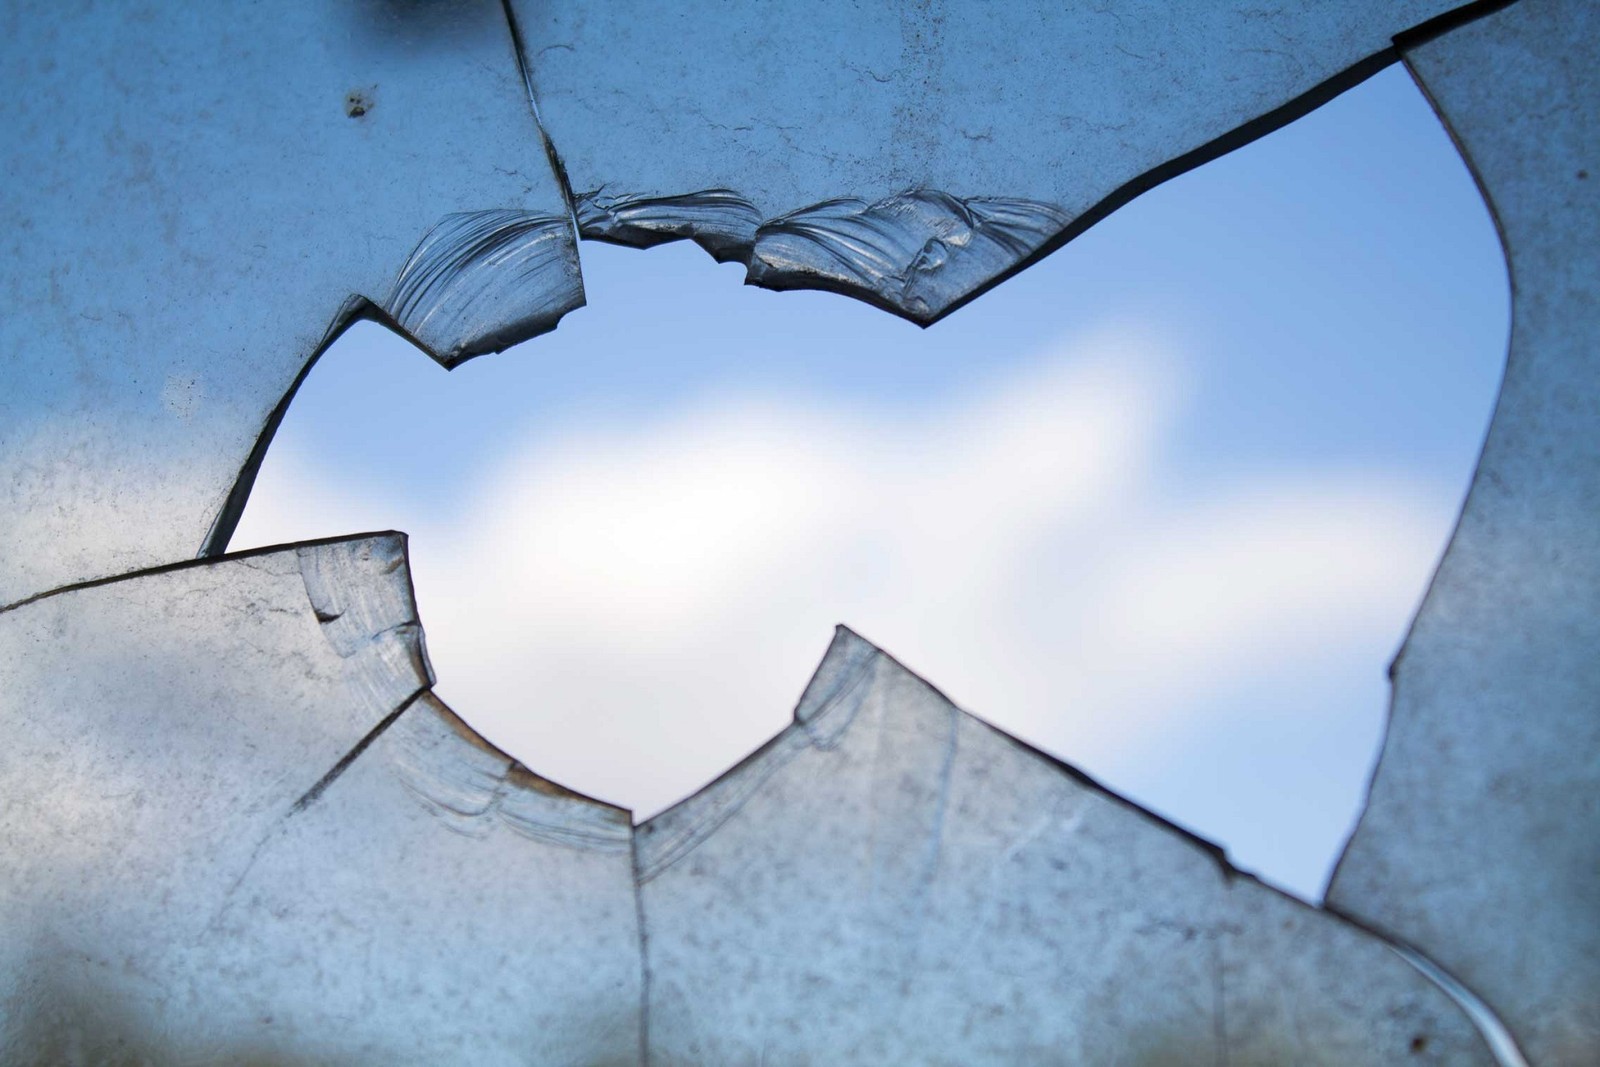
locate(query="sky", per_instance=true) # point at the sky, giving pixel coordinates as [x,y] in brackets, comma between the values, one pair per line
[1162,505]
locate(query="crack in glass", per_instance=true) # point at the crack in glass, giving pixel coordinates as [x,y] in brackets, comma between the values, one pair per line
[238,825]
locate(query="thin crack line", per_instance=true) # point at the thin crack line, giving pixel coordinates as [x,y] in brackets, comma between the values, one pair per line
[306,800]
[310,796]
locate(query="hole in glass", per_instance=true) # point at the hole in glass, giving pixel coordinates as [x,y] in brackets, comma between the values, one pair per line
[1161,505]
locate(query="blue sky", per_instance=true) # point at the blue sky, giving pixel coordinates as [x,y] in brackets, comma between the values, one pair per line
[1162,504]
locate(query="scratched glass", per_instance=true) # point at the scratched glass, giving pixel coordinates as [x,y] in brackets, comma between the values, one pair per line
[237,824]
[892,880]
[196,200]
[238,828]
[1481,841]
[911,155]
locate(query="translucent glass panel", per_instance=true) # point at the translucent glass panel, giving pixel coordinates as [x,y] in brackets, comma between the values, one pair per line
[1204,458]
[237,826]
[893,881]
[912,154]
[1481,841]
[238,829]
[196,196]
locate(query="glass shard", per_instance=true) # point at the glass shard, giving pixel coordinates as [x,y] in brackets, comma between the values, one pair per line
[891,880]
[209,194]
[909,154]
[238,829]
[1480,844]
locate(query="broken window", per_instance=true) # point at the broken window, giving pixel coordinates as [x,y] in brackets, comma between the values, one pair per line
[209,198]
[212,760]
[1162,506]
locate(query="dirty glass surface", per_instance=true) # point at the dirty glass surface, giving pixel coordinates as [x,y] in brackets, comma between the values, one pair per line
[238,829]
[195,196]
[912,154]
[1481,844]
[891,880]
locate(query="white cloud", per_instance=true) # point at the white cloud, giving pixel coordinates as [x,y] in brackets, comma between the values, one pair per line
[629,608]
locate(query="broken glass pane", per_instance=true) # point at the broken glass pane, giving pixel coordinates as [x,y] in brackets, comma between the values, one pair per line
[199,198]
[891,880]
[208,767]
[626,553]
[237,828]
[1480,844]
[908,154]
